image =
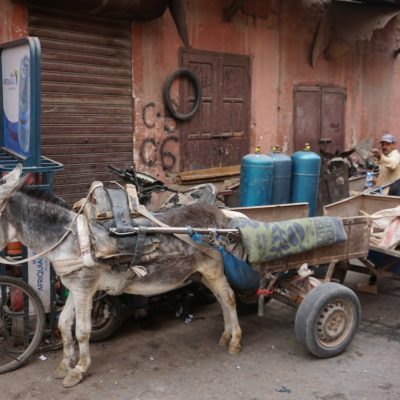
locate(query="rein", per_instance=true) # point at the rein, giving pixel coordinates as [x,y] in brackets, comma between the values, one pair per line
[63,237]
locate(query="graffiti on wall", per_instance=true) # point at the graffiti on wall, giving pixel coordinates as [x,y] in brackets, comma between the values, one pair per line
[152,149]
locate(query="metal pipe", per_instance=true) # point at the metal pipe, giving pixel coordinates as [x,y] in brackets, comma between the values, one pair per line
[174,230]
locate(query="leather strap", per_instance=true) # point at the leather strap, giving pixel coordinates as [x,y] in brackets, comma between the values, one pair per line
[215,254]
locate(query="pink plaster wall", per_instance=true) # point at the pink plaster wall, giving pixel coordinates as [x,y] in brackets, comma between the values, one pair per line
[156,53]
[13,20]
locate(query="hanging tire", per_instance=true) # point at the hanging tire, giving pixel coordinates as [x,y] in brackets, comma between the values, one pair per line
[327,319]
[167,95]
[107,317]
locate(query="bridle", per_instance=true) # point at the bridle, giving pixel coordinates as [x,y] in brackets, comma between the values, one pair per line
[79,219]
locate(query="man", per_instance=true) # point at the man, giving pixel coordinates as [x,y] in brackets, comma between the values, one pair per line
[389,172]
[388,161]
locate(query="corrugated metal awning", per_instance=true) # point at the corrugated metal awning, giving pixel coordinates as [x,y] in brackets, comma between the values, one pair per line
[138,10]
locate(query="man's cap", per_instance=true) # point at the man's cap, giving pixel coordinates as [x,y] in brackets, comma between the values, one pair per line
[388,138]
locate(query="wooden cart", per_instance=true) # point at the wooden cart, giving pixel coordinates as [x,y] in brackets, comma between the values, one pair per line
[328,313]
[380,262]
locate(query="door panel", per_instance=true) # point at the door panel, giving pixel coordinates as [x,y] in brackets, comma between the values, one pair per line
[333,117]
[307,122]
[221,127]
[319,114]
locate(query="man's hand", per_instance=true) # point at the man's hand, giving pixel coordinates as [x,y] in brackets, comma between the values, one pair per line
[376,153]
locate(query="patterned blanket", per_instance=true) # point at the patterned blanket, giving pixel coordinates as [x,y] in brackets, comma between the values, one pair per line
[269,241]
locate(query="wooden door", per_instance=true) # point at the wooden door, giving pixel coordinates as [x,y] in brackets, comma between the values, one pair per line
[318,115]
[218,135]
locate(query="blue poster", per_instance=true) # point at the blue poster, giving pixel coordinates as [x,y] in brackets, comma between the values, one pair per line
[16,76]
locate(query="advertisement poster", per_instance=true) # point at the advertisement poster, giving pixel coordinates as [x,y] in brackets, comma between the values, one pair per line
[39,278]
[16,82]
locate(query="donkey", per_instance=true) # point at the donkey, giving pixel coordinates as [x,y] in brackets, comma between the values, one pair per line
[38,223]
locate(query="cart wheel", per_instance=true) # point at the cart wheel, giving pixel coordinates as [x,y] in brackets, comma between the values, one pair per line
[107,317]
[327,319]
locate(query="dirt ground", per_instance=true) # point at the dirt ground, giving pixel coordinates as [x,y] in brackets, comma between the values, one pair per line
[175,360]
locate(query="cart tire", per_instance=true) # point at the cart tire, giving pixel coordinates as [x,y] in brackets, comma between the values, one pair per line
[107,317]
[327,319]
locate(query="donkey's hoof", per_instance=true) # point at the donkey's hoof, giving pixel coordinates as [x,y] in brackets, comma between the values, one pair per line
[61,372]
[73,378]
[234,348]
[224,339]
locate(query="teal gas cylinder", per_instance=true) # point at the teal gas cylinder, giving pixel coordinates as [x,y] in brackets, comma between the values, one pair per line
[256,179]
[305,176]
[281,176]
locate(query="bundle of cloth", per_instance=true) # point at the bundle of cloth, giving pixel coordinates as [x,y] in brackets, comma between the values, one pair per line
[265,242]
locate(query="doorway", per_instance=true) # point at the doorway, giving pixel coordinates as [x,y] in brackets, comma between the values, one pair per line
[218,135]
[318,117]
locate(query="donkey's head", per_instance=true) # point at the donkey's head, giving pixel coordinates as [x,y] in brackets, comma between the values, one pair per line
[10,183]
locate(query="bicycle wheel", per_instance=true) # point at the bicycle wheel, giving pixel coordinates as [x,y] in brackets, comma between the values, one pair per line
[22,322]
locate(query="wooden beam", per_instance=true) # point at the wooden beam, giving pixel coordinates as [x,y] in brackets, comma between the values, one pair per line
[209,174]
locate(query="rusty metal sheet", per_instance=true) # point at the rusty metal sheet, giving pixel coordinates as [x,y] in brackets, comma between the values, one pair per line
[138,10]
[87,110]
[142,10]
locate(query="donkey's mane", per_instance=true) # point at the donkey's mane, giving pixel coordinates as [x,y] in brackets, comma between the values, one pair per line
[44,195]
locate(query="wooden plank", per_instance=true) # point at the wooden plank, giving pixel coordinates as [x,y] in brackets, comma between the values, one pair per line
[208,173]
[274,213]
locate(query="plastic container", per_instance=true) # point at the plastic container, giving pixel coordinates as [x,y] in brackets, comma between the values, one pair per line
[255,179]
[306,167]
[281,178]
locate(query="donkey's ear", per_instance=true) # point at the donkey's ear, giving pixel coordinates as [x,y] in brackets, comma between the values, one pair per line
[12,181]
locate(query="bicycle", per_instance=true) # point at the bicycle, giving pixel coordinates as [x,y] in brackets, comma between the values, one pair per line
[22,322]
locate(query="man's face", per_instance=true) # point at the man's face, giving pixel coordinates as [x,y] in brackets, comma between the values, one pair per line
[387,147]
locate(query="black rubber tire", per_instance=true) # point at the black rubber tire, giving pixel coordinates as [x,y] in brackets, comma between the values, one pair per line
[38,328]
[327,319]
[247,301]
[107,317]
[167,95]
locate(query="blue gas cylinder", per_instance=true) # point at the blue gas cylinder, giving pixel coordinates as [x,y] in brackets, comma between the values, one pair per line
[256,179]
[281,177]
[305,177]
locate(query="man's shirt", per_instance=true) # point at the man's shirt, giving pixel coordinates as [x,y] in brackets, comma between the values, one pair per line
[389,168]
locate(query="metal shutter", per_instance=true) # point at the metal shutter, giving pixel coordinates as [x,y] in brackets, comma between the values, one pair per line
[86,120]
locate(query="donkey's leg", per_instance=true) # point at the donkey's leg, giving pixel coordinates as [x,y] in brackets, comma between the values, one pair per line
[83,306]
[215,280]
[65,326]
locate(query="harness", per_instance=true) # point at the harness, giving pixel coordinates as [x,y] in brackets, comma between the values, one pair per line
[111,209]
